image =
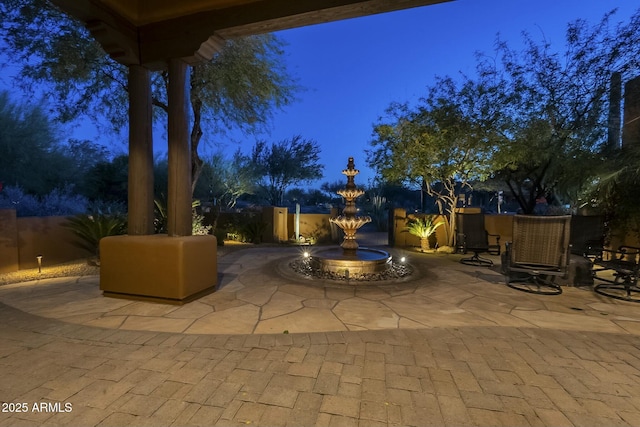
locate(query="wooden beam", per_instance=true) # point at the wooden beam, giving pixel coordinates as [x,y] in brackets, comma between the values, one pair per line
[118,37]
[183,36]
[196,36]
[282,14]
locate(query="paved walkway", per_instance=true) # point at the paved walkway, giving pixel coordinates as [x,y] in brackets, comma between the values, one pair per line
[451,346]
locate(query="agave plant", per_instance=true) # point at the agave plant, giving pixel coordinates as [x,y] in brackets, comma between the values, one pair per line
[89,229]
[423,228]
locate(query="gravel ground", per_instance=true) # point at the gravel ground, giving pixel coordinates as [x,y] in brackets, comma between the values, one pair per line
[74,268]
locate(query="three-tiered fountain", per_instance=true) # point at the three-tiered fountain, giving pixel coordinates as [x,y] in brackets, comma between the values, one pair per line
[351,261]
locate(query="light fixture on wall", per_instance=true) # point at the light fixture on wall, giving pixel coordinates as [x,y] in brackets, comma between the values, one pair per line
[39,258]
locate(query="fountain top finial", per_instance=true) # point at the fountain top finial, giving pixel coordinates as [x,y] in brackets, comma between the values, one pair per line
[351,170]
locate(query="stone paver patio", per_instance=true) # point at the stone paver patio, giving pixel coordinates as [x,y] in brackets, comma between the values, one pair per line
[451,346]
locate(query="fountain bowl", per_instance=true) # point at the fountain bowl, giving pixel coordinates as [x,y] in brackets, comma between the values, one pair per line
[351,264]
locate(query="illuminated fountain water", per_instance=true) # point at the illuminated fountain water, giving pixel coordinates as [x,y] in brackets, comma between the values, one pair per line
[350,260]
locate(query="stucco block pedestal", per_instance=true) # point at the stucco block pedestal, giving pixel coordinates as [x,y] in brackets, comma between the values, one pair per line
[158,267]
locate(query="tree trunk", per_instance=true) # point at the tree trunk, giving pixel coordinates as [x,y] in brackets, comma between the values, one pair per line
[196,135]
[424,244]
[451,230]
[443,201]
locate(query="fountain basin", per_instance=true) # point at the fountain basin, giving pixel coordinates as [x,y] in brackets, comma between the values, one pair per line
[351,264]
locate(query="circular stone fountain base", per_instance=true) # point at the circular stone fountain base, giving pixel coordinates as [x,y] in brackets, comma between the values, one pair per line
[361,262]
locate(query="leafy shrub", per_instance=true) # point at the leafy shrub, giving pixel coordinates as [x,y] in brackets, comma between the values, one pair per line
[197,221]
[89,229]
[160,215]
[197,226]
[252,231]
[422,227]
[63,202]
[58,202]
[243,227]
[15,198]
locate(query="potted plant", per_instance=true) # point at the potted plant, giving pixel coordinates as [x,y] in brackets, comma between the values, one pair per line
[423,228]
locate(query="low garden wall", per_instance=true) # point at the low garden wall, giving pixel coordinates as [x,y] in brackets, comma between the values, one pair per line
[494,224]
[9,256]
[23,239]
[277,223]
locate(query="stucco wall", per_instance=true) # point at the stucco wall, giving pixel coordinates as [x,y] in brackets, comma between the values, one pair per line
[316,225]
[501,225]
[23,239]
[8,241]
[47,237]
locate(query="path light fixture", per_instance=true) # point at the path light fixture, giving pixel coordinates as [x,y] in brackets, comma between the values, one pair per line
[304,252]
[39,258]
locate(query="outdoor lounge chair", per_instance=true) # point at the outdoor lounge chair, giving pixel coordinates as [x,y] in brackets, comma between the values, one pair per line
[615,273]
[473,236]
[538,253]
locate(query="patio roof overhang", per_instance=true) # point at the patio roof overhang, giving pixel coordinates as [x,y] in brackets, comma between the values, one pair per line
[147,32]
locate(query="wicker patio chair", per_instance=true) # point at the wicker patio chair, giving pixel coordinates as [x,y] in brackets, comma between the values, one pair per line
[538,254]
[615,273]
[473,236]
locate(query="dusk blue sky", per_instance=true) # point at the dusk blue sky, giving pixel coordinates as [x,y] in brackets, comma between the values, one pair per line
[353,69]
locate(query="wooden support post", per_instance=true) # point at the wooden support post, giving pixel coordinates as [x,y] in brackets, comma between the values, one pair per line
[179,197]
[140,195]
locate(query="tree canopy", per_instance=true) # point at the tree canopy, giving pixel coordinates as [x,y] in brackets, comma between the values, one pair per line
[239,88]
[557,106]
[536,118]
[26,136]
[225,179]
[31,154]
[442,144]
[285,163]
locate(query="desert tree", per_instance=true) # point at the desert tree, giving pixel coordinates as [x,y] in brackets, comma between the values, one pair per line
[285,163]
[441,145]
[31,155]
[557,103]
[225,179]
